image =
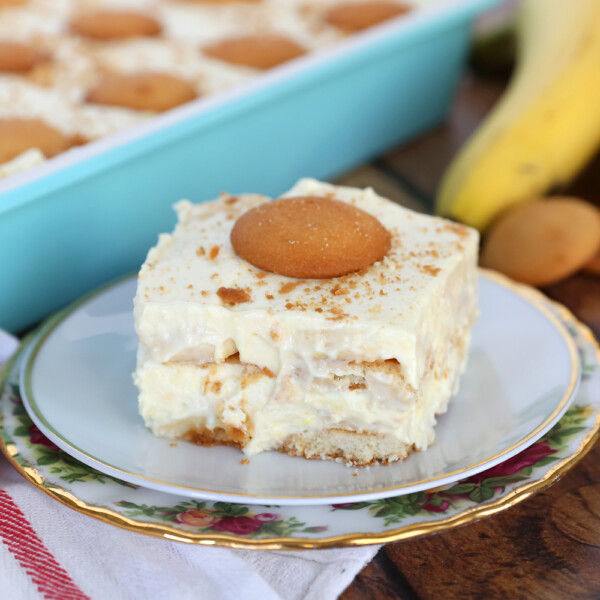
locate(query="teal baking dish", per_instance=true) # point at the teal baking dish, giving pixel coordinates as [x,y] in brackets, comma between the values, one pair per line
[91,214]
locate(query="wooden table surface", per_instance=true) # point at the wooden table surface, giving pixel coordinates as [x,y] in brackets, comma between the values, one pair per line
[549,545]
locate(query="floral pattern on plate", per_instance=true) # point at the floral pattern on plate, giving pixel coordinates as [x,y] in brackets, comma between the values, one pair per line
[485,485]
[46,453]
[276,527]
[204,517]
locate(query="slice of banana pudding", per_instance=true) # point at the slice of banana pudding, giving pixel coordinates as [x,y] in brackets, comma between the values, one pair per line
[331,323]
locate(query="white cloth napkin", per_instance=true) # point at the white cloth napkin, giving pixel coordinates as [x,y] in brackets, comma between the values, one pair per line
[8,345]
[51,551]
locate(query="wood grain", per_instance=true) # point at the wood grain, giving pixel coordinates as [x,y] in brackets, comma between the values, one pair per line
[546,547]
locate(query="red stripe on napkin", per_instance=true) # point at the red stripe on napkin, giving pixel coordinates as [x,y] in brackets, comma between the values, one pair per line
[50,578]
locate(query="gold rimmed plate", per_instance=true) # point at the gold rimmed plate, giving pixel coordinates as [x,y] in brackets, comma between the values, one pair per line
[241,525]
[76,384]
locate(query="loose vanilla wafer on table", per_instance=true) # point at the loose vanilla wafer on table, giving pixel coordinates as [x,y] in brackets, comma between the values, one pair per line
[542,242]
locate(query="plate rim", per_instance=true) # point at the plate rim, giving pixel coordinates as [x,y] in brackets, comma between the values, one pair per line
[41,335]
[470,515]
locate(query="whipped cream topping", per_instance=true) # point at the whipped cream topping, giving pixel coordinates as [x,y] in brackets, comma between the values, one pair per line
[381,313]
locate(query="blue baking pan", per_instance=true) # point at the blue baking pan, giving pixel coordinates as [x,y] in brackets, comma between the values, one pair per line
[91,214]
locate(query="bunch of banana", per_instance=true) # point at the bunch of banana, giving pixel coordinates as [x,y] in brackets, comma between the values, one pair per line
[545,127]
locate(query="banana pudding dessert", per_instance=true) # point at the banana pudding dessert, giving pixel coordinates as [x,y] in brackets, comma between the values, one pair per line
[75,71]
[329,323]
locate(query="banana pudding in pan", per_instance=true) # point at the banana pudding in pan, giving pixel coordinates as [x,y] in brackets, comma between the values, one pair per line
[80,70]
[330,323]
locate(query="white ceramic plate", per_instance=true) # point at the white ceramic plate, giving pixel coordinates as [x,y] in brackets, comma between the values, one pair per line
[523,371]
[239,525]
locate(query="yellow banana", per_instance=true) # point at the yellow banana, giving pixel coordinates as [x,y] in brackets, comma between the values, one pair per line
[547,124]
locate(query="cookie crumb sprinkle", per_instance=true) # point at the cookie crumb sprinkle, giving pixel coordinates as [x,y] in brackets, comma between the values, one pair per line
[233,296]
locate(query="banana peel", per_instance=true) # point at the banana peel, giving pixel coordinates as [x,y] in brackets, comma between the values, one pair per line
[546,126]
